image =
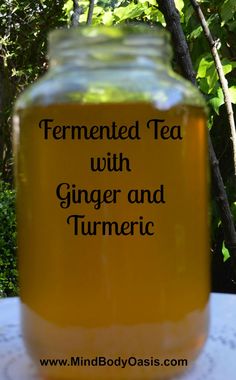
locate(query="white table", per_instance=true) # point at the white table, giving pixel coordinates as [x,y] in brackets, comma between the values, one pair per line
[216,362]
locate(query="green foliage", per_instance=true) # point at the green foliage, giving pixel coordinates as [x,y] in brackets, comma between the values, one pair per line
[116,12]
[221,18]
[209,83]
[24,28]
[8,266]
[218,16]
[227,10]
[24,25]
[225,253]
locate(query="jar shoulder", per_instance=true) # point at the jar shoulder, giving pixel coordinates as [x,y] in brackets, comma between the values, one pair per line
[163,88]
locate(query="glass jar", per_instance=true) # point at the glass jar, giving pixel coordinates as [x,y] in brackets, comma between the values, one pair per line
[113,238]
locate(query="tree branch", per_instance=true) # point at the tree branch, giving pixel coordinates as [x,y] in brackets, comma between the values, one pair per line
[223,205]
[77,11]
[182,54]
[183,58]
[220,71]
[90,12]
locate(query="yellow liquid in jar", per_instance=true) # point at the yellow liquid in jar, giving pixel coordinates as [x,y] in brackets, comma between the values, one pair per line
[107,295]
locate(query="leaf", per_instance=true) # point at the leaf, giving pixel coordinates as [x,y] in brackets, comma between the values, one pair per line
[212,78]
[68,6]
[151,2]
[205,63]
[225,252]
[188,13]
[179,5]
[210,122]
[217,101]
[97,10]
[228,65]
[130,12]
[196,32]
[233,210]
[228,10]
[232,91]
[207,69]
[83,18]
[107,18]
[232,26]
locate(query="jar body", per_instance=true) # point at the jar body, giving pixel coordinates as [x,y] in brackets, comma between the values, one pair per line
[113,236]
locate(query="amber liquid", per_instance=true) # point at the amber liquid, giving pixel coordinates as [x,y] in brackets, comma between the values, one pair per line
[113,295]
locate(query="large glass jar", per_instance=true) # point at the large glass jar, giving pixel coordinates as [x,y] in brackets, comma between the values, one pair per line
[111,174]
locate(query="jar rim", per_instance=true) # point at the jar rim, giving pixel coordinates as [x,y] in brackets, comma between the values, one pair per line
[100,33]
[118,40]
